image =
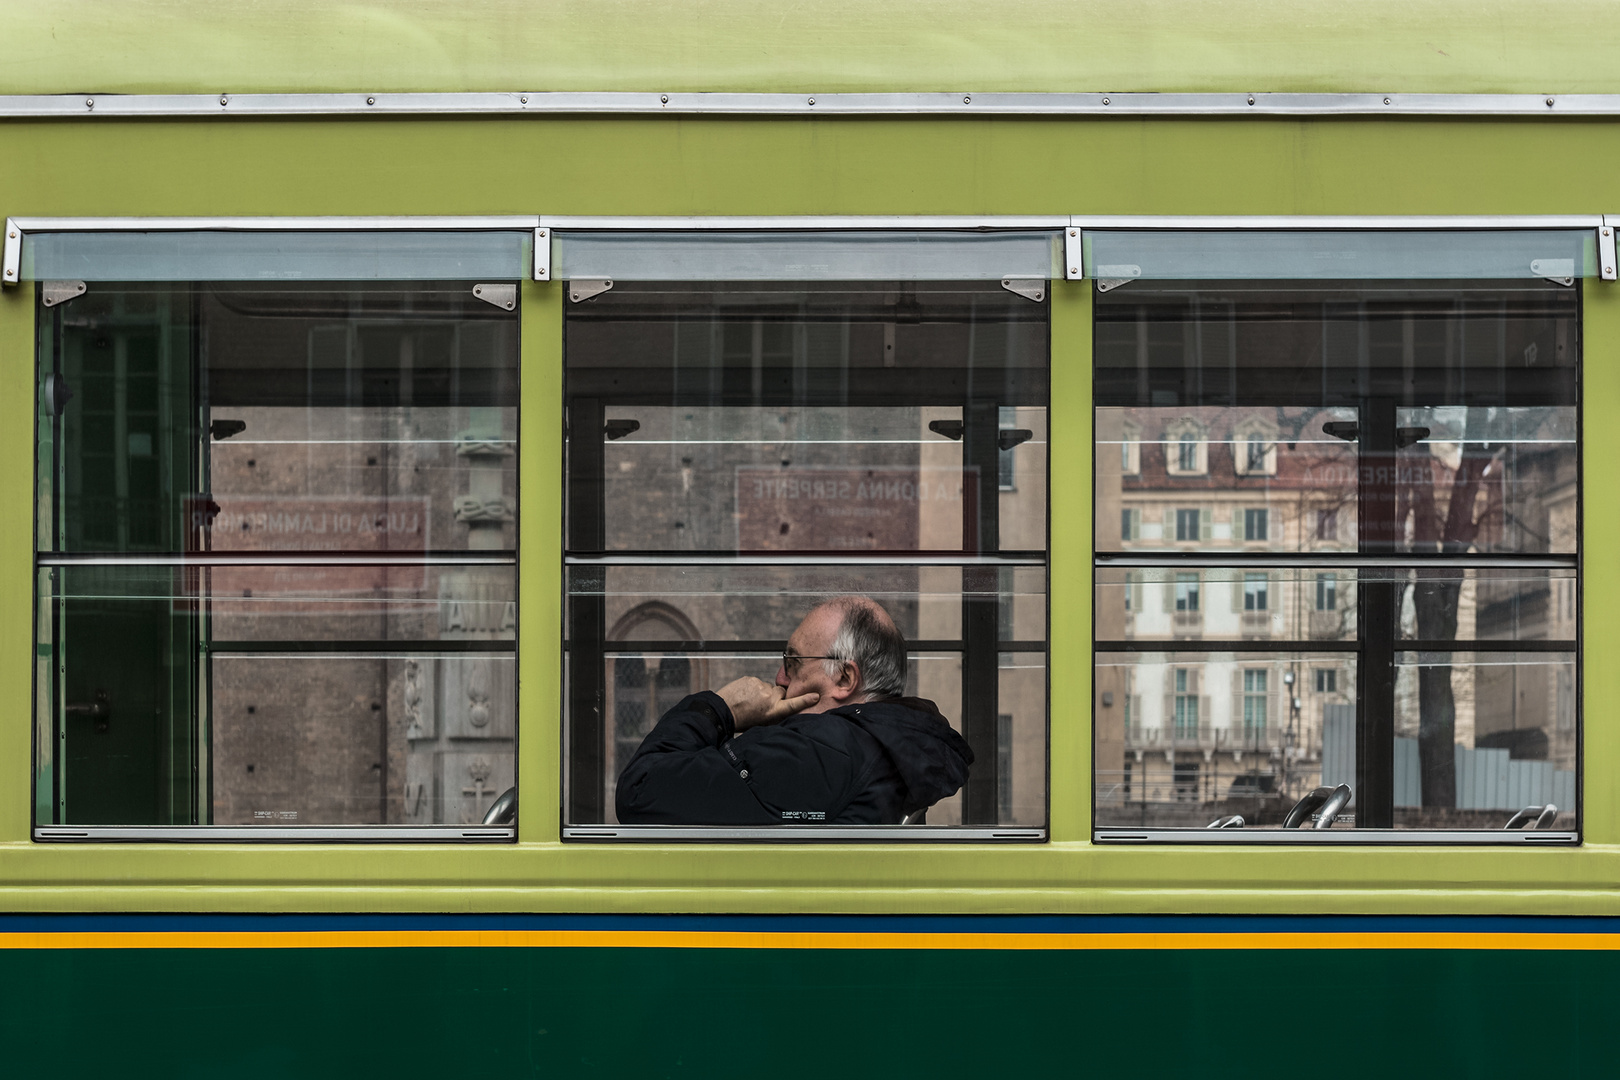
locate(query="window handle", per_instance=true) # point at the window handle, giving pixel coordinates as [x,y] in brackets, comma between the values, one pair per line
[98,708]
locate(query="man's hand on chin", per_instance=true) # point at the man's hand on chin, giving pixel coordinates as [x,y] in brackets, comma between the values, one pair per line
[755,701]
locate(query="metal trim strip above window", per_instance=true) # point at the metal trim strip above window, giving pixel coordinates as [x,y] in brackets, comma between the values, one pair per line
[894,253]
[268,249]
[1322,254]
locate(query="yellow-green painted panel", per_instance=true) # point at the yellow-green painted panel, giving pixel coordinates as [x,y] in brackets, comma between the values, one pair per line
[1071,545]
[16,558]
[540,579]
[186,46]
[671,166]
[1600,561]
[686,166]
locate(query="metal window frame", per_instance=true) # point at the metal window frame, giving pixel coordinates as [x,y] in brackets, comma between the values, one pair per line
[1604,225]
[549,227]
[963,103]
[16,231]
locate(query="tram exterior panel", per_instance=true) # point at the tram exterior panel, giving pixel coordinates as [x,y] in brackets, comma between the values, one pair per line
[1172,569]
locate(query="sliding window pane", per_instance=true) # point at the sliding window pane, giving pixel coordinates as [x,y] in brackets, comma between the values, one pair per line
[330,418]
[1480,736]
[805,418]
[324,696]
[1527,604]
[1185,739]
[1226,479]
[1515,468]
[1226,604]
[675,630]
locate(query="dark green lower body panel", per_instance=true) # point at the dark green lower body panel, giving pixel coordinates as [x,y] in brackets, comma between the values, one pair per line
[499,1013]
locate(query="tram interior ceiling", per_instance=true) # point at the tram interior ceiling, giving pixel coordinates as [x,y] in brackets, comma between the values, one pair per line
[276,569]
[740,450]
[1337,544]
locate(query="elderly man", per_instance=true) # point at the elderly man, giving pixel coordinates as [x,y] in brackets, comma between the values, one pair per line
[833,742]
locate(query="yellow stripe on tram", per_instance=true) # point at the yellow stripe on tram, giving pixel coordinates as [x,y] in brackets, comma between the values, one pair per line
[704,939]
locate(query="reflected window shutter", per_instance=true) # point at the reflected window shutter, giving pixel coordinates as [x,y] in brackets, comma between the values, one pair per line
[1168,586]
[1136,524]
[1274,597]
[1206,523]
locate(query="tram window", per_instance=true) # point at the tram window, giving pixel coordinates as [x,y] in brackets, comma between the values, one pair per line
[1392,486]
[738,453]
[276,568]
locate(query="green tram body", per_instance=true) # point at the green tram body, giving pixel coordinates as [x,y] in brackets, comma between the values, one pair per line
[546,957]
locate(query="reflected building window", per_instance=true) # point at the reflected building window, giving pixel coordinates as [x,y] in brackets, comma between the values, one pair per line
[1186,449]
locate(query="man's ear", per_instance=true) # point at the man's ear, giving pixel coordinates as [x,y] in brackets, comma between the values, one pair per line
[849,676]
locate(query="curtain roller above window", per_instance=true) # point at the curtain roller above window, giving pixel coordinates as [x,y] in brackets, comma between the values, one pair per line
[1327,255]
[866,255]
[226,255]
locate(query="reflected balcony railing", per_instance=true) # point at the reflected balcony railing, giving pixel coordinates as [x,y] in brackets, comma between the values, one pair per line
[1248,739]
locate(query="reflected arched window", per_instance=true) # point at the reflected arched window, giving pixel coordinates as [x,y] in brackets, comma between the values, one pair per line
[647,677]
[644,688]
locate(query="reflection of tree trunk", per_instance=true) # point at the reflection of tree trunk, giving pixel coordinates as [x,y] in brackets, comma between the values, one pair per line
[1435,595]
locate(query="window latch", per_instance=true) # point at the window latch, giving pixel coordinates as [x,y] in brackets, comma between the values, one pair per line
[98,708]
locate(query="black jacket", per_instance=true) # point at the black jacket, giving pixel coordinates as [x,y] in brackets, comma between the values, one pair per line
[867,764]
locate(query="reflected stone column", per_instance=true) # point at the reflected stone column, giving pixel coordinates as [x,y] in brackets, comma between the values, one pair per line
[462,725]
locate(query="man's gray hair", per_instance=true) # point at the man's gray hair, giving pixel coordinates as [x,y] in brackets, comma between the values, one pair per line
[871,639]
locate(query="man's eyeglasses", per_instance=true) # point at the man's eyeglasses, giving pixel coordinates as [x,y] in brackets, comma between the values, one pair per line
[791,661]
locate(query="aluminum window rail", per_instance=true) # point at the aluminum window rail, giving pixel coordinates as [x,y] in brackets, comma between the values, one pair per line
[215,834]
[778,834]
[90,105]
[1335,837]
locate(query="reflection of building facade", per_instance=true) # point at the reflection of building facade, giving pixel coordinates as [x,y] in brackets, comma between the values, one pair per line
[1207,727]
[1182,729]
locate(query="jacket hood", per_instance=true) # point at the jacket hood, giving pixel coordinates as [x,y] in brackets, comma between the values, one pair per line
[931,757]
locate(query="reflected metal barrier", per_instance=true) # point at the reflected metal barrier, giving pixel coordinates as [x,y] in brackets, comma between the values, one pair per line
[1542,816]
[1329,800]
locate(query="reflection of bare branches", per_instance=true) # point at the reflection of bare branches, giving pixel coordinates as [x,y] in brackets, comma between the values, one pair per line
[1510,518]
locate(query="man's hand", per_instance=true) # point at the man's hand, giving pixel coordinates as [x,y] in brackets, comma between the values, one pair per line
[755,701]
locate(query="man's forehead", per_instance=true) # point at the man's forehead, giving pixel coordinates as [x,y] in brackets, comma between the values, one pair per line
[820,623]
